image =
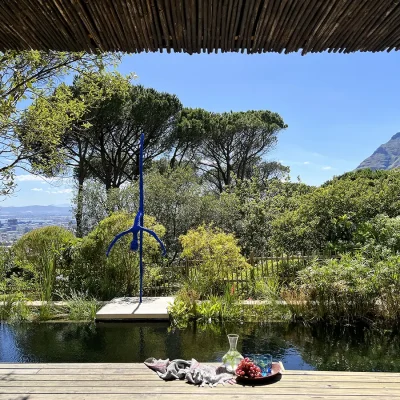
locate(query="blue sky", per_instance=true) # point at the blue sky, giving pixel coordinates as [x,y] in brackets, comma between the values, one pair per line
[339,107]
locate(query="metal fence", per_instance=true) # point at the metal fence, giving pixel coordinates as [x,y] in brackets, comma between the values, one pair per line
[284,267]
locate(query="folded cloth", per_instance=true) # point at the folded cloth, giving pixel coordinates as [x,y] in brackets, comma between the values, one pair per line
[191,371]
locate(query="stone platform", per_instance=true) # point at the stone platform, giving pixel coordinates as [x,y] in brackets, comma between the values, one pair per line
[128,308]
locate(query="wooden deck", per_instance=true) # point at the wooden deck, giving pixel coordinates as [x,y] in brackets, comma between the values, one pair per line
[135,381]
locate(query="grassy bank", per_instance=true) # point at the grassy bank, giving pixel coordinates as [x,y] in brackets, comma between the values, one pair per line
[14,309]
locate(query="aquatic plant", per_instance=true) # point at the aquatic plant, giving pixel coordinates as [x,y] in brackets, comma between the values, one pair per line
[348,289]
[81,307]
[13,308]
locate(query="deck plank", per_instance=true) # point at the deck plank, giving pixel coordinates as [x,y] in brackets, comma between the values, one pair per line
[139,368]
[176,384]
[197,396]
[122,381]
[184,388]
[295,379]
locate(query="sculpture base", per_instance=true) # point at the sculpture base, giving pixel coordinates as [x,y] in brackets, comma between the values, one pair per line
[129,308]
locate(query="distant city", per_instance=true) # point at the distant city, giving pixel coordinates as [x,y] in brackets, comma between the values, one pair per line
[16,221]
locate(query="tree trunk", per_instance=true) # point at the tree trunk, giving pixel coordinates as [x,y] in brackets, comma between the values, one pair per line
[81,175]
[79,209]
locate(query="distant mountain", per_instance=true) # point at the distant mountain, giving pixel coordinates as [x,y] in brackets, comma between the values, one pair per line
[386,156]
[36,211]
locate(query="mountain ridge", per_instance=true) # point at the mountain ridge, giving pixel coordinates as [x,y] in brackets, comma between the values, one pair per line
[386,156]
[36,209]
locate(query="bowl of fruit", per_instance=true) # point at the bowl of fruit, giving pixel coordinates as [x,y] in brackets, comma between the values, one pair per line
[248,371]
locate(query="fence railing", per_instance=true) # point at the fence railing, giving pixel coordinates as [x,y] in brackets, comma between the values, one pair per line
[284,267]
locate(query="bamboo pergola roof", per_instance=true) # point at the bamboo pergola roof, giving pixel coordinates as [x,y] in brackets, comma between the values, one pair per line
[195,26]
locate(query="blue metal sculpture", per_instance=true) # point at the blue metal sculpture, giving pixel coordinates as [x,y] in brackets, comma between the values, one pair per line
[137,228]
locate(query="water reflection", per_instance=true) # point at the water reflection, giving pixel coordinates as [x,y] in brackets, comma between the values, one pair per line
[299,347]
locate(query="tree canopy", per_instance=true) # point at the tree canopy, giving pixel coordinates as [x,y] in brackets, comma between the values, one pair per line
[330,215]
[28,76]
[233,143]
[96,123]
[102,118]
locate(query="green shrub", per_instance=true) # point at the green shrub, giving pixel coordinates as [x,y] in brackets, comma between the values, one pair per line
[80,307]
[267,288]
[6,269]
[387,280]
[329,216]
[216,256]
[41,257]
[350,288]
[340,289]
[7,266]
[379,236]
[104,277]
[181,312]
[209,310]
[13,308]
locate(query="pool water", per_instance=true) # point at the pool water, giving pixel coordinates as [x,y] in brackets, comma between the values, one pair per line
[318,347]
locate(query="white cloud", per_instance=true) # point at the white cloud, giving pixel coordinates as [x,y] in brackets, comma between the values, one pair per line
[40,178]
[37,189]
[327,168]
[306,162]
[61,191]
[28,178]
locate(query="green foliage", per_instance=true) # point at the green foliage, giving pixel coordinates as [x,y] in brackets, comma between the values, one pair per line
[29,76]
[228,307]
[269,312]
[182,311]
[13,308]
[174,195]
[43,125]
[232,142]
[340,288]
[6,265]
[117,275]
[387,281]
[114,124]
[81,308]
[42,255]
[350,288]
[216,253]
[95,125]
[96,202]
[45,312]
[380,234]
[13,289]
[187,136]
[267,288]
[330,215]
[249,207]
[179,199]
[210,310]
[187,307]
